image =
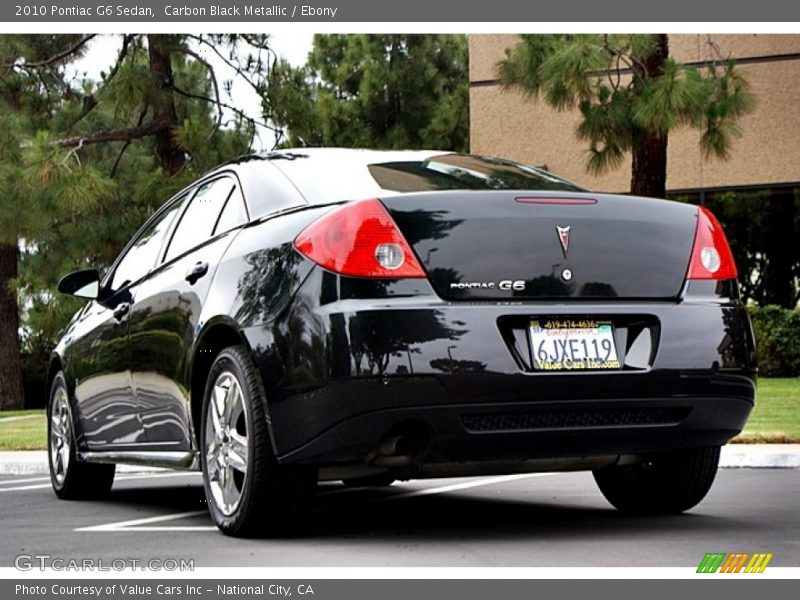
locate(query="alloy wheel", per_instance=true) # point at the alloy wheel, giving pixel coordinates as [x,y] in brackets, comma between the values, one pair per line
[60,435]
[227,443]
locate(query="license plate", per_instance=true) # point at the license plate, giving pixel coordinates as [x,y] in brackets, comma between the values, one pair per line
[573,344]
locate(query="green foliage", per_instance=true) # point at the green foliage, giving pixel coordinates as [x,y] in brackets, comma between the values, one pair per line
[622,97]
[76,206]
[678,97]
[729,101]
[777,331]
[10,174]
[757,224]
[375,91]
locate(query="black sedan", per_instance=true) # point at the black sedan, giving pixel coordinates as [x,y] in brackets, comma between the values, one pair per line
[368,316]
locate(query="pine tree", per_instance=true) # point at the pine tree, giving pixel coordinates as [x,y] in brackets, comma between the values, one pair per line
[631,94]
[375,91]
[85,162]
[30,72]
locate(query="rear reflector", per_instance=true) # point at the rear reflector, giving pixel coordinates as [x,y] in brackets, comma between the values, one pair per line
[711,256]
[359,239]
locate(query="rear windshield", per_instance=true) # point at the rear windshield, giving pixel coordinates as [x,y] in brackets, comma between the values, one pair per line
[322,179]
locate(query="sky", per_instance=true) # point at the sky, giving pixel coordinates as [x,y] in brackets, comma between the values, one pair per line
[291,44]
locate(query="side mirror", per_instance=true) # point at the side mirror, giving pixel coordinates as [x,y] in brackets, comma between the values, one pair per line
[81,284]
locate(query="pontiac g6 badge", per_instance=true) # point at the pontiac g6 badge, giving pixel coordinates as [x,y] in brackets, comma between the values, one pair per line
[563,238]
[517,285]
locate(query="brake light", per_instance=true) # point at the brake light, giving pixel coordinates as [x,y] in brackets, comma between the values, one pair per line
[359,239]
[557,201]
[711,256]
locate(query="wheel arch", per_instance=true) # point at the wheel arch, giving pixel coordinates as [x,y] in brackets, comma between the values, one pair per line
[216,335]
[56,364]
[59,364]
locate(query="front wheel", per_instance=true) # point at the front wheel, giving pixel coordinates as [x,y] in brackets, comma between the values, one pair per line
[249,493]
[666,483]
[71,480]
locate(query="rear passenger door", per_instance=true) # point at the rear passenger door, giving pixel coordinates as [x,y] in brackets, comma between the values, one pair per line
[165,315]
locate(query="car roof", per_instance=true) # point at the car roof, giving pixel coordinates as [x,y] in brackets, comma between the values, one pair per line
[362,154]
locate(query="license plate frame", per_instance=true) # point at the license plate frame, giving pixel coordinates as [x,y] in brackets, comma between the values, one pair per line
[570,344]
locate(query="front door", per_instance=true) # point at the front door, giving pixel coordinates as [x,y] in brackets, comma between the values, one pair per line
[100,363]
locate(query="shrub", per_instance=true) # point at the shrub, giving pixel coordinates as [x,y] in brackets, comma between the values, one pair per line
[777,333]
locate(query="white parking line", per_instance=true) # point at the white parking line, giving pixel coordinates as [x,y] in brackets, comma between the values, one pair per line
[27,480]
[443,489]
[21,488]
[145,524]
[141,524]
[43,486]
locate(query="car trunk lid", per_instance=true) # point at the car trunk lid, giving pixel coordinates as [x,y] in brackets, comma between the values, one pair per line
[502,245]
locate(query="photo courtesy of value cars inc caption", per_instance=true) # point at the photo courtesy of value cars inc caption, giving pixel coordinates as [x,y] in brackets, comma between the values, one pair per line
[231,11]
[162,589]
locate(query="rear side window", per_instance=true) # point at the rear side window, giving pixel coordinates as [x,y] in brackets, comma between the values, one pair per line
[198,220]
[233,214]
[266,189]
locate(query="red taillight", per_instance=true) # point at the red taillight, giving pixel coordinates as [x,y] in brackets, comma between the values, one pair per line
[359,239]
[711,255]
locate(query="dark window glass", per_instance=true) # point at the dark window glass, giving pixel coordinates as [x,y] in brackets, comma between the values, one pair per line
[233,214]
[142,255]
[341,175]
[463,172]
[266,189]
[197,222]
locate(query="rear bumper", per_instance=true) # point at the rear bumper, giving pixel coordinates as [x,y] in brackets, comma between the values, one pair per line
[342,376]
[442,426]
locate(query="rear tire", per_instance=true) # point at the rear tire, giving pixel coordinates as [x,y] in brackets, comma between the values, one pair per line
[249,494]
[666,484]
[72,480]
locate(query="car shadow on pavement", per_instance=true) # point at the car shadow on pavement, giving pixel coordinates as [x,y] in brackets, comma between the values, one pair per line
[169,497]
[378,514]
[449,517]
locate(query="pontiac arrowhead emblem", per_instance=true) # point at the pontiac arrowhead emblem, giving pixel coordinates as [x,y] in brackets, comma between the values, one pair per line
[563,238]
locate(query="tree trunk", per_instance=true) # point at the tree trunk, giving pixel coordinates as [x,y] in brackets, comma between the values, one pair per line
[781,253]
[11,393]
[169,152]
[649,160]
[649,168]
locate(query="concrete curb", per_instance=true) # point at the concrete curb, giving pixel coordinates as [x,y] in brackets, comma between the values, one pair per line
[34,462]
[770,456]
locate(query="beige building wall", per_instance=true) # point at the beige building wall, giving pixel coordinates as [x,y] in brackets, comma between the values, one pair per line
[504,123]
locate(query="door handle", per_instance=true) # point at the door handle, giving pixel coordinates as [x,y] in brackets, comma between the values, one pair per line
[121,310]
[196,272]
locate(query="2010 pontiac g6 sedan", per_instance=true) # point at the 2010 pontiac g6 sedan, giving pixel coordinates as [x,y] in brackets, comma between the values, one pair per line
[369,316]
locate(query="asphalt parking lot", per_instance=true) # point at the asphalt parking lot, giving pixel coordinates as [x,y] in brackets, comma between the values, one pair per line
[538,520]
